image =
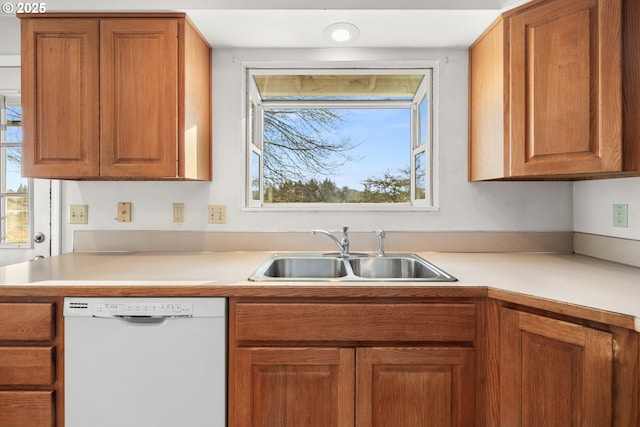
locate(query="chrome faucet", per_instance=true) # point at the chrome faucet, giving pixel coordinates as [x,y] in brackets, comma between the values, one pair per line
[343,244]
[381,235]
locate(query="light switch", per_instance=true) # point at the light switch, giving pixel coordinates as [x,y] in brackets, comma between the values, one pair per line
[217,214]
[78,214]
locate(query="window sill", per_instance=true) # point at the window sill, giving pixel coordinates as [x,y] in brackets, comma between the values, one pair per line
[352,207]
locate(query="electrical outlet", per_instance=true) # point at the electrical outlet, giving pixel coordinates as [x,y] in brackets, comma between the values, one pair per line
[124,212]
[620,218]
[178,212]
[78,214]
[217,214]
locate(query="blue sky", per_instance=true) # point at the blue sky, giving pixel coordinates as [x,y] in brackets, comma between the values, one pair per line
[385,144]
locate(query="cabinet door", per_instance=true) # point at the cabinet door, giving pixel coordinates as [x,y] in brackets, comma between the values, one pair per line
[139,97]
[60,98]
[27,408]
[553,373]
[293,387]
[566,94]
[415,387]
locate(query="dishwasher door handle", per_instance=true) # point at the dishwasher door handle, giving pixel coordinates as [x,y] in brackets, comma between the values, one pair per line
[138,319]
[143,320]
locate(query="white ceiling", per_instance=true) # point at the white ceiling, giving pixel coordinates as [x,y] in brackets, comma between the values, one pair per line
[305,28]
[300,23]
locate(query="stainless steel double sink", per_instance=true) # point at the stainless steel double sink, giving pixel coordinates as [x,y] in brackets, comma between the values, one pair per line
[391,267]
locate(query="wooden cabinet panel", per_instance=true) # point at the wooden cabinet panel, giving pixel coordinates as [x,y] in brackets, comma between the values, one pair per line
[27,365]
[414,387]
[338,378]
[115,96]
[138,97]
[286,387]
[60,97]
[366,322]
[26,322]
[566,97]
[27,408]
[488,106]
[631,84]
[545,92]
[553,372]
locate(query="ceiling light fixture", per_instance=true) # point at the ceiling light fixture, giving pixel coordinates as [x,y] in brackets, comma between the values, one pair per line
[342,32]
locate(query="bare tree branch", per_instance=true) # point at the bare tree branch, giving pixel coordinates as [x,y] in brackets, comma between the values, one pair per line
[303,143]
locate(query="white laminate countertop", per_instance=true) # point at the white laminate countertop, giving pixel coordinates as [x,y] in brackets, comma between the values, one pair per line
[566,278]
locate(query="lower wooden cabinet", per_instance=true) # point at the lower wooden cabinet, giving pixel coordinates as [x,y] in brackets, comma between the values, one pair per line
[415,387]
[27,408]
[344,364]
[310,387]
[318,387]
[554,373]
[30,363]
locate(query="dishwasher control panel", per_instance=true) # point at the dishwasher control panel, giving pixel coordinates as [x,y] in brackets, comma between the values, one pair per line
[140,308]
[145,309]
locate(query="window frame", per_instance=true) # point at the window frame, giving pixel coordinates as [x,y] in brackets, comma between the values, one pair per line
[7,99]
[253,134]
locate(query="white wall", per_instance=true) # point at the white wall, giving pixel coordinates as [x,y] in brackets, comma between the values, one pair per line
[9,34]
[593,206]
[509,206]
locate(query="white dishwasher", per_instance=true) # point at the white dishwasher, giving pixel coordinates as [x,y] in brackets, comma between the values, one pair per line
[145,362]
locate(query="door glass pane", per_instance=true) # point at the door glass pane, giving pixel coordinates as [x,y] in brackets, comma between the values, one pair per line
[17,219]
[14,182]
[14,123]
[14,189]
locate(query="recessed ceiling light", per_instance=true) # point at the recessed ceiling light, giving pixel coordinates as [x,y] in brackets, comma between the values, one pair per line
[342,32]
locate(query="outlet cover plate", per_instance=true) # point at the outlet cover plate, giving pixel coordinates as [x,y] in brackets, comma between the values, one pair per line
[178,212]
[620,215]
[124,212]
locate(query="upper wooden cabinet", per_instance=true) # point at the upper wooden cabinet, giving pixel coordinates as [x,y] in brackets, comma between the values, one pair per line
[546,92]
[115,96]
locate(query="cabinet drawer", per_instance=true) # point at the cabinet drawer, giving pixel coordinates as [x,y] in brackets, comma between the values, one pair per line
[26,408]
[354,322]
[27,365]
[26,322]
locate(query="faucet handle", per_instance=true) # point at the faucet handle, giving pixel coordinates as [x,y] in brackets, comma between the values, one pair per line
[381,235]
[345,228]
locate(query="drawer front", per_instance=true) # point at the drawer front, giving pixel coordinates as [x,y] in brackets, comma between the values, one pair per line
[354,322]
[26,322]
[27,365]
[27,408]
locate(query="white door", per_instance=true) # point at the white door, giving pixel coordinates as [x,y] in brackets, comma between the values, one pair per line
[25,204]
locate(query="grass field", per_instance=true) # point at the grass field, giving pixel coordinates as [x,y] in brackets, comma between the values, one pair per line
[17,225]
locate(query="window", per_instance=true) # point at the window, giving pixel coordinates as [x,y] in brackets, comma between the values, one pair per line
[340,138]
[15,197]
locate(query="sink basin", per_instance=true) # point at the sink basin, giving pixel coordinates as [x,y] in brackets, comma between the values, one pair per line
[396,267]
[305,267]
[405,267]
